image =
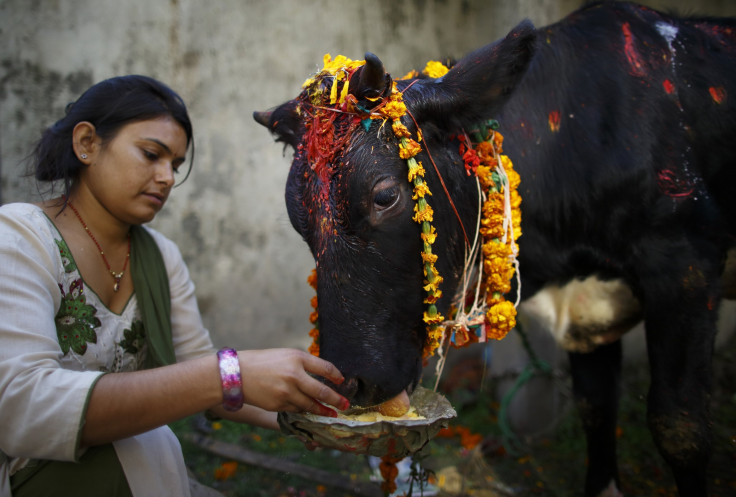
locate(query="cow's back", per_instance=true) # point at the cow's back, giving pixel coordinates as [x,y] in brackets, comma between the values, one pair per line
[624,125]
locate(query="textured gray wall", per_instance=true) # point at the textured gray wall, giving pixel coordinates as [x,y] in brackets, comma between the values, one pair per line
[228,58]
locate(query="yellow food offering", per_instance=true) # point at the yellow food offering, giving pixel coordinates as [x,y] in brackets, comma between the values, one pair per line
[373,416]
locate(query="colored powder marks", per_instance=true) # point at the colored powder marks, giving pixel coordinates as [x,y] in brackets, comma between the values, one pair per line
[669,88]
[718,94]
[554,121]
[631,54]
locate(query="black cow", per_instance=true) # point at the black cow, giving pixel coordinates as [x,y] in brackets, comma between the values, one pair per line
[621,123]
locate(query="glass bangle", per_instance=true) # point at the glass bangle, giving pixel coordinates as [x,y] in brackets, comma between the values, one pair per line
[232,385]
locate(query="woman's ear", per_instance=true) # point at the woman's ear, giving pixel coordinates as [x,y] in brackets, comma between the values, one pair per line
[85,141]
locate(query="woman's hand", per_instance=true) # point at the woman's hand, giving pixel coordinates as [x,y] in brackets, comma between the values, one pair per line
[279,380]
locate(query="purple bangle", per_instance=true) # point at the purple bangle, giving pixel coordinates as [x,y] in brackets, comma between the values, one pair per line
[232,386]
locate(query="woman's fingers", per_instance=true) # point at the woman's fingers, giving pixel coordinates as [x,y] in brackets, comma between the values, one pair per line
[320,367]
[320,392]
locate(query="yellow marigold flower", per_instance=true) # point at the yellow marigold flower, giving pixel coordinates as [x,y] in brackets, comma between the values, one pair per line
[409,148]
[429,257]
[493,204]
[411,74]
[423,214]
[436,319]
[496,250]
[484,176]
[497,277]
[515,199]
[433,287]
[400,130]
[394,109]
[339,63]
[501,318]
[430,236]
[435,69]
[432,298]
[416,171]
[421,190]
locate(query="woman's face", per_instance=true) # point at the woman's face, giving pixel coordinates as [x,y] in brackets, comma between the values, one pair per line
[133,173]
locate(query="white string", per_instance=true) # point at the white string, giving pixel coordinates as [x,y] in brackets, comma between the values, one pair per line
[473,269]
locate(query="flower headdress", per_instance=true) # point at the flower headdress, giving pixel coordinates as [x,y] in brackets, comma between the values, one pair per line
[489,266]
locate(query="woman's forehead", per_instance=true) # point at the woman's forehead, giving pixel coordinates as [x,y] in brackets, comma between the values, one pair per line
[165,131]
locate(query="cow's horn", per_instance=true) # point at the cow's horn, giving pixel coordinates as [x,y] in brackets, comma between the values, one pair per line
[372,81]
[263,118]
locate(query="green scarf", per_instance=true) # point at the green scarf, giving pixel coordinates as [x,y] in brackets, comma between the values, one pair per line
[154,300]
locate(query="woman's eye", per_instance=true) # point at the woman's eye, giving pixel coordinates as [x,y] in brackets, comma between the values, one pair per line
[152,156]
[385,197]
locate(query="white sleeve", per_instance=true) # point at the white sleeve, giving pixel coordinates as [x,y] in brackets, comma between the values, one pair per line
[42,405]
[191,339]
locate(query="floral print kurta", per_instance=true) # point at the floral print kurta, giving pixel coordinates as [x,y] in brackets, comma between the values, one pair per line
[57,339]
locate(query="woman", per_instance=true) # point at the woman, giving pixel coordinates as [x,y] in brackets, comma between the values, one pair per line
[102,340]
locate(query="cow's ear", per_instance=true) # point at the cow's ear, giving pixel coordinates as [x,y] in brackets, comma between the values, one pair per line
[284,123]
[479,84]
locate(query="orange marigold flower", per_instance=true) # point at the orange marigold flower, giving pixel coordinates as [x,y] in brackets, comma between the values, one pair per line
[313,317]
[409,148]
[389,472]
[312,279]
[313,349]
[498,142]
[226,470]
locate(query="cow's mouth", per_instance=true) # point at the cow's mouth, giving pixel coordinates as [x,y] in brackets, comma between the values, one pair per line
[361,395]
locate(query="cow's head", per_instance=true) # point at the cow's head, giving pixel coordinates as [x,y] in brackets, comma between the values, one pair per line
[349,197]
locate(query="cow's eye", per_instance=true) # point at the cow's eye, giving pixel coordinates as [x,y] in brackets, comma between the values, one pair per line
[385,194]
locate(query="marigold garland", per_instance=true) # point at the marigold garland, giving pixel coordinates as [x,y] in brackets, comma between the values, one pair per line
[491,315]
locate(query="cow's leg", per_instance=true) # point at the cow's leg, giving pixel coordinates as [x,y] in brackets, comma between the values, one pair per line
[596,384]
[680,351]
[681,304]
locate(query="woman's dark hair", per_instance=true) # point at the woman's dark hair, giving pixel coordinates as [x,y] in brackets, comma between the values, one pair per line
[109,105]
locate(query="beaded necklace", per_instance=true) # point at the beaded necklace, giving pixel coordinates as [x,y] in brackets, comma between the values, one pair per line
[116,276]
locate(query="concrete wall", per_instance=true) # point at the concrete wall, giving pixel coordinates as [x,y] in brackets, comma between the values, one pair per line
[228,58]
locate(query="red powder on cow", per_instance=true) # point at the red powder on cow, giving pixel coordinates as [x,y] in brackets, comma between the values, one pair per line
[554,121]
[718,94]
[669,88]
[631,54]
